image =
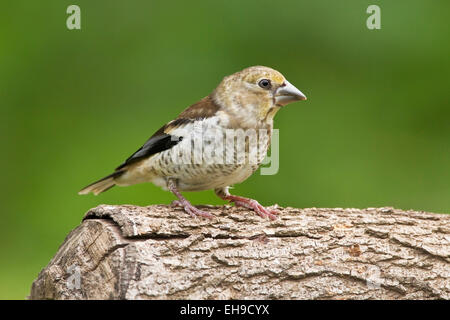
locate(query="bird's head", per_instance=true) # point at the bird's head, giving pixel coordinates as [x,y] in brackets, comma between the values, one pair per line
[257,92]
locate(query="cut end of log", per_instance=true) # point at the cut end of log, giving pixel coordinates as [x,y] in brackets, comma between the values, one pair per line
[159,252]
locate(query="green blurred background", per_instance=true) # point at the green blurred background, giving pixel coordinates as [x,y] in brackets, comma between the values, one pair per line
[375,130]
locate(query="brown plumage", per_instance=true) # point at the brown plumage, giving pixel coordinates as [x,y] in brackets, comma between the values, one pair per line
[204,108]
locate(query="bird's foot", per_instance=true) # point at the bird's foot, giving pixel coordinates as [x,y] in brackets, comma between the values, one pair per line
[185,204]
[253,205]
[189,208]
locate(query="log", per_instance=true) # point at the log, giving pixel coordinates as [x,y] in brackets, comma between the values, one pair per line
[159,252]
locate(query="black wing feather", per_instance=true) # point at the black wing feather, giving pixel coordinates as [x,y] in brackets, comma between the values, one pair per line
[159,142]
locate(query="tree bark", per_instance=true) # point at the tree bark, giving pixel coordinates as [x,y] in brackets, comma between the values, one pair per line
[159,252]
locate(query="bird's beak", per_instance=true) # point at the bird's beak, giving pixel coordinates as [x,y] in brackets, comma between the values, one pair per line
[287,93]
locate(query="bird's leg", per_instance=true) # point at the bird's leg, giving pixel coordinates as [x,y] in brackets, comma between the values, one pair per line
[251,204]
[184,203]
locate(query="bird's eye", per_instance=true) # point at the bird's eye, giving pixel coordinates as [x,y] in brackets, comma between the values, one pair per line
[265,84]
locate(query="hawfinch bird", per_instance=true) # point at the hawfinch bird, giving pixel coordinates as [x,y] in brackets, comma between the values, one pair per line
[213,144]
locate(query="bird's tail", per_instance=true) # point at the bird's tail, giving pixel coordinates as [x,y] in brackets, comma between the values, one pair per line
[102,185]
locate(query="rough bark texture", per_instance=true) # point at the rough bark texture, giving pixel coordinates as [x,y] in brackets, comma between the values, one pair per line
[158,252]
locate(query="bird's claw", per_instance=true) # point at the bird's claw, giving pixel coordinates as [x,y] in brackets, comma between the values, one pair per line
[193,211]
[258,208]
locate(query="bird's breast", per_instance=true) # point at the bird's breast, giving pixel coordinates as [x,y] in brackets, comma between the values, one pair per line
[212,154]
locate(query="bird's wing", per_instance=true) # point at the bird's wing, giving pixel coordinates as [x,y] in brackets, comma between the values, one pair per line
[160,141]
[163,139]
[202,109]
